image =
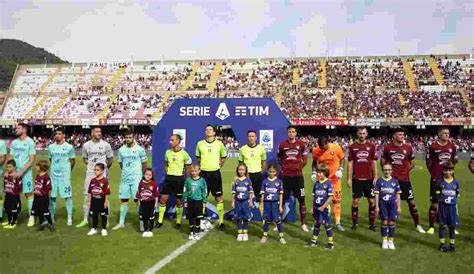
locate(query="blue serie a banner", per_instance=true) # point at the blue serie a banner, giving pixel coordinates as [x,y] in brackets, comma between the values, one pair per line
[189,117]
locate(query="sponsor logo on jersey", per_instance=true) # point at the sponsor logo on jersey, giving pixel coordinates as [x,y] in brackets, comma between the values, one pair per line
[362,154]
[145,194]
[444,156]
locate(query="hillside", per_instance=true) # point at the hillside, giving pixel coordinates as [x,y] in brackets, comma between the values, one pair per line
[14,52]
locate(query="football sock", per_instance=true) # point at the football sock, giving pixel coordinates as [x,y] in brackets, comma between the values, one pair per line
[104,221]
[145,224]
[266,225]
[1,207]
[452,241]
[52,206]
[314,239]
[441,232]
[384,231]
[391,231]
[452,233]
[123,213]
[30,204]
[414,214]
[85,208]
[245,225]
[371,215]
[14,217]
[336,207]
[10,218]
[47,215]
[280,227]
[329,231]
[151,223]
[220,212]
[95,221]
[355,215]
[432,216]
[286,210]
[161,213]
[239,226]
[302,211]
[316,230]
[179,214]
[69,205]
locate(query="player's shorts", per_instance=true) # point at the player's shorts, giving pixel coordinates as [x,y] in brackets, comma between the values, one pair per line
[447,215]
[173,185]
[97,207]
[12,203]
[321,217]
[256,179]
[146,210]
[61,187]
[271,211]
[27,181]
[363,188]
[407,191]
[388,210]
[40,205]
[194,209]
[242,210]
[128,190]
[337,190]
[433,188]
[293,184]
[213,181]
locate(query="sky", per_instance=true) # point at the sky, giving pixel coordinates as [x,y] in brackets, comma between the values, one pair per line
[86,30]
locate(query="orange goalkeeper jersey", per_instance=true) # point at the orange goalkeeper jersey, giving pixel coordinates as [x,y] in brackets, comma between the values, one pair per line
[331,157]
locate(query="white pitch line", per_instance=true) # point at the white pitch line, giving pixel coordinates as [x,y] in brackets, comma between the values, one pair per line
[180,250]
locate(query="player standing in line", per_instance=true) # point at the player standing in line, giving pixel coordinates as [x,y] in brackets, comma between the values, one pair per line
[254,156]
[3,153]
[23,151]
[41,201]
[332,156]
[99,189]
[400,156]
[63,158]
[176,159]
[147,196]
[439,153]
[195,199]
[293,157]
[271,203]
[242,201]
[12,189]
[387,202]
[361,171]
[448,191]
[211,155]
[322,195]
[94,151]
[132,159]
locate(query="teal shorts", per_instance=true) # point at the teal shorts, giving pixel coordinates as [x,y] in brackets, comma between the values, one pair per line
[129,189]
[61,186]
[27,181]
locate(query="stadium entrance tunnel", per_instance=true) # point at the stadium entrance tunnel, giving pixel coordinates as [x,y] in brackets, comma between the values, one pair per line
[189,117]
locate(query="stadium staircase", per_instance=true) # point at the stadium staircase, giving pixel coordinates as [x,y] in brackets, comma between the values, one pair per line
[279,98]
[436,71]
[56,107]
[106,108]
[214,77]
[110,86]
[466,99]
[42,98]
[296,77]
[410,76]
[322,77]
[159,109]
[402,103]
[190,79]
[339,98]
[96,76]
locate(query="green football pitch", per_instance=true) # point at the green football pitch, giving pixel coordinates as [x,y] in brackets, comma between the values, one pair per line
[69,250]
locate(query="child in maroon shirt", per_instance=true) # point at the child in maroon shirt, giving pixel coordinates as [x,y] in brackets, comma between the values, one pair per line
[42,189]
[147,196]
[98,191]
[12,189]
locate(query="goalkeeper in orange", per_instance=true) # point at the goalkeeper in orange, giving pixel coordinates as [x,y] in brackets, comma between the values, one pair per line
[333,156]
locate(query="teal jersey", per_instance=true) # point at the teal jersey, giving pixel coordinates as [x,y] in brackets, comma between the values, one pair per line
[60,156]
[195,190]
[21,151]
[131,159]
[3,151]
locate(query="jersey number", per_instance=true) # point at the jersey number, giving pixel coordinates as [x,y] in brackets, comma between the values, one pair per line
[386,197]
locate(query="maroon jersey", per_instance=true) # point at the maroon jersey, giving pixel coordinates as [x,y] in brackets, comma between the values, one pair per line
[362,157]
[437,156]
[291,157]
[147,191]
[99,188]
[12,186]
[42,185]
[400,157]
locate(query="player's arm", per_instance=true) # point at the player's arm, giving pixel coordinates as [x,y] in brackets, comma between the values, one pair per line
[349,173]
[428,158]
[106,202]
[119,159]
[325,205]
[281,203]
[110,156]
[233,194]
[198,154]
[251,198]
[399,208]
[144,159]
[31,160]
[374,166]
[85,156]
[2,159]
[72,162]
[305,160]
[412,164]
[204,194]
[223,154]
